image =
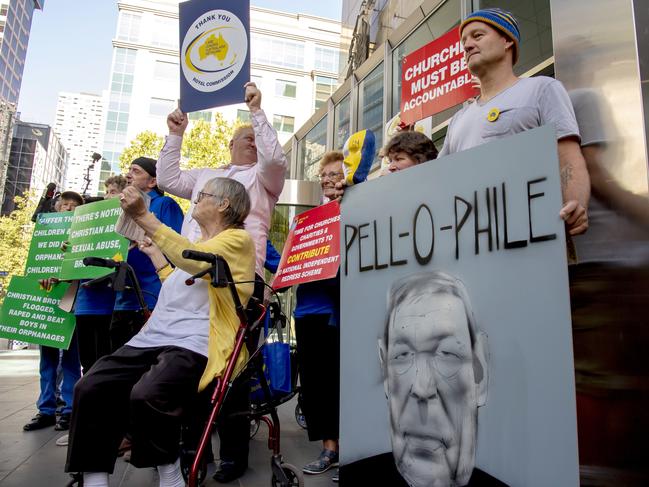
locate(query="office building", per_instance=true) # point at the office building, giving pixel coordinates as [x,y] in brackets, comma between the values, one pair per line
[36,159]
[15,25]
[294,60]
[599,50]
[79,125]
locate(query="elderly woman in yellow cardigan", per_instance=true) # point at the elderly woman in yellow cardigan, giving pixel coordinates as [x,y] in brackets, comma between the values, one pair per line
[145,386]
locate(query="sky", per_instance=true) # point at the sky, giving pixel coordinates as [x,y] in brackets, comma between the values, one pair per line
[70,49]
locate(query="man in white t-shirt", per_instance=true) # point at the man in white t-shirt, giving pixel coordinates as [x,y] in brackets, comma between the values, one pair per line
[508,105]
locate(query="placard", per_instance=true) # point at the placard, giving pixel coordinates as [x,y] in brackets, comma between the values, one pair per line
[214,53]
[31,314]
[312,248]
[456,341]
[434,78]
[92,233]
[45,255]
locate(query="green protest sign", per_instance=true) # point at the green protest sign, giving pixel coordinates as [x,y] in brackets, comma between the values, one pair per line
[45,255]
[31,314]
[92,234]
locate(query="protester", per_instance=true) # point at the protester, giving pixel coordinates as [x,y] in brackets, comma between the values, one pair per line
[93,306]
[50,358]
[146,385]
[407,149]
[258,162]
[128,316]
[93,309]
[508,104]
[317,333]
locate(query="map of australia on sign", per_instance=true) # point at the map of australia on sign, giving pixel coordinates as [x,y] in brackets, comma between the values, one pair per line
[214,46]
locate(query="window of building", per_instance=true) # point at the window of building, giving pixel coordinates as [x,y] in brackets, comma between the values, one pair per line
[311,149]
[161,107]
[165,32]
[326,59]
[370,105]
[165,70]
[129,27]
[276,52]
[536,31]
[436,25]
[284,123]
[243,116]
[285,88]
[342,123]
[4,9]
[201,115]
[324,88]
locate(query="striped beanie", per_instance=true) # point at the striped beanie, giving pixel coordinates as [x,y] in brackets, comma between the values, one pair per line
[500,20]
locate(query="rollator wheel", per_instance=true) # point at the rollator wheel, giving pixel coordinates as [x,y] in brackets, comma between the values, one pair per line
[76,480]
[186,467]
[293,475]
[299,416]
[254,427]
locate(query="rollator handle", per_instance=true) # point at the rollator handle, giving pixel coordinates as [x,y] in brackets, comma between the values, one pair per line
[200,256]
[216,271]
[99,262]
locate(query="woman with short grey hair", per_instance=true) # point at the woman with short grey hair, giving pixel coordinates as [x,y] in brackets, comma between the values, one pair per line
[144,386]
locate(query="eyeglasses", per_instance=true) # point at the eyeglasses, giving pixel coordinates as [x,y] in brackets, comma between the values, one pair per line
[202,194]
[330,175]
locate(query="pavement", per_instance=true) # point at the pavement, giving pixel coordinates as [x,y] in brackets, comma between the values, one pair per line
[32,459]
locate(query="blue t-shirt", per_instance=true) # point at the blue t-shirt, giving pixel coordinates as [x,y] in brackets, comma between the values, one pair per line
[318,298]
[94,300]
[169,213]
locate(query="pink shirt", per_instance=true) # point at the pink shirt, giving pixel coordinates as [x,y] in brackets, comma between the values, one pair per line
[263,180]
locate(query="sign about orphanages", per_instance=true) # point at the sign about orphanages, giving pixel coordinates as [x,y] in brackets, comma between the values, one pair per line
[93,234]
[434,78]
[31,314]
[312,249]
[456,341]
[214,52]
[45,254]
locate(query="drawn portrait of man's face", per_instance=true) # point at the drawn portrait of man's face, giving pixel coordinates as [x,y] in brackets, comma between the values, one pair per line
[435,378]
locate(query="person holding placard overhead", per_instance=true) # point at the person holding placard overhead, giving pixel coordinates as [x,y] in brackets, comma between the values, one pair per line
[258,162]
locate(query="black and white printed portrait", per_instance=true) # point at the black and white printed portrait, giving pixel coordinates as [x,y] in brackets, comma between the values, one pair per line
[463,376]
[435,364]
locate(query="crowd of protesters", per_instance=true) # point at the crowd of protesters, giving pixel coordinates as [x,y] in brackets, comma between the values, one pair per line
[138,381]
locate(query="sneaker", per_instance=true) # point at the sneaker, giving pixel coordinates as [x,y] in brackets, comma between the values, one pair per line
[63,441]
[63,423]
[327,459]
[229,471]
[336,477]
[40,421]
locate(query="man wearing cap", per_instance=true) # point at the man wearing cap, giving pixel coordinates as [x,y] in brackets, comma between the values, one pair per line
[508,105]
[127,316]
[258,162]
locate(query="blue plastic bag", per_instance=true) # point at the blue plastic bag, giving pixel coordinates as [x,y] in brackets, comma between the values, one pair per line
[277,368]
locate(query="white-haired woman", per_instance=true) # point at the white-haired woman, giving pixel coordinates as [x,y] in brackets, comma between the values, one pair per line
[145,386]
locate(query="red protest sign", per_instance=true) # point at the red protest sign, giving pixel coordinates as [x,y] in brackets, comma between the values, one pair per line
[312,249]
[434,78]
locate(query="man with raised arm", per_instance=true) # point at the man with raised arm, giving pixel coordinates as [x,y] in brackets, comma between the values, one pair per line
[258,162]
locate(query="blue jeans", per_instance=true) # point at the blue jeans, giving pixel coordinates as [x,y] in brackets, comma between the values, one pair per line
[71,374]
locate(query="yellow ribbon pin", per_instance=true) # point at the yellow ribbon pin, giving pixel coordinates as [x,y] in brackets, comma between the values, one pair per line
[493,114]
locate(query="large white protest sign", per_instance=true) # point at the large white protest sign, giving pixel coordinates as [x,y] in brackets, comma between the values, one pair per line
[456,345]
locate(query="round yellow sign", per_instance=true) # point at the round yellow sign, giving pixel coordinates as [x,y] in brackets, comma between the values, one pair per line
[493,114]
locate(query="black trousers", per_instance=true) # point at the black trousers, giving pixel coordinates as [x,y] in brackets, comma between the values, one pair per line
[318,355]
[233,428]
[140,390]
[94,339]
[125,325]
